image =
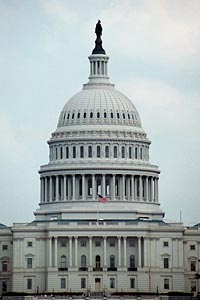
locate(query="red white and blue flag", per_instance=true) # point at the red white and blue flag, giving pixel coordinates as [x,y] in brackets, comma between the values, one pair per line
[102,199]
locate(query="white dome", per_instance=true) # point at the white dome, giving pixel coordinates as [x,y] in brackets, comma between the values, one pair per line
[99,106]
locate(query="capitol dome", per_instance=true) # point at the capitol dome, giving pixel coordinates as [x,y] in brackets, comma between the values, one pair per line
[99,150]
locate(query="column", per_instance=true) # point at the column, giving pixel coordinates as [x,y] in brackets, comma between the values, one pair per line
[50,189]
[76,251]
[93,188]
[46,189]
[41,190]
[103,183]
[50,252]
[65,188]
[83,187]
[132,188]
[128,188]
[123,187]
[113,188]
[139,251]
[151,190]
[180,246]
[147,188]
[104,251]
[57,188]
[90,251]
[146,250]
[156,189]
[73,187]
[70,251]
[140,184]
[56,252]
[125,251]
[119,251]
[155,196]
[69,188]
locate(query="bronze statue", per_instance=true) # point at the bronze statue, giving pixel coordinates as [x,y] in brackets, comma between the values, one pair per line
[98,29]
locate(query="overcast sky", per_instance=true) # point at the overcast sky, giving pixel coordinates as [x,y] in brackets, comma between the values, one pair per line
[154,49]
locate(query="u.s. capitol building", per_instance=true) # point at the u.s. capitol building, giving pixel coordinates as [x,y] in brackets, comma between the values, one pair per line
[99,151]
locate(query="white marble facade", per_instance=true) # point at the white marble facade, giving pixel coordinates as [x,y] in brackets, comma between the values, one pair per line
[75,242]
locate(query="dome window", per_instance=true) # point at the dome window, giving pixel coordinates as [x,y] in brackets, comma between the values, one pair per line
[105,115]
[73,116]
[141,153]
[107,152]
[111,115]
[68,116]
[98,115]
[61,153]
[115,151]
[98,151]
[117,115]
[78,116]
[130,152]
[124,117]
[64,116]
[81,152]
[91,115]
[123,152]
[136,153]
[132,116]
[84,115]
[56,153]
[67,152]
[74,151]
[129,116]
[90,151]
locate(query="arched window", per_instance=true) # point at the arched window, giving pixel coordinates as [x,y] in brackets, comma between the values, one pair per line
[98,151]
[63,262]
[98,115]
[115,151]
[132,262]
[107,152]
[68,116]
[78,116]
[81,152]
[91,115]
[105,115]
[98,261]
[141,153]
[111,115]
[112,261]
[84,115]
[124,116]
[73,116]
[67,152]
[89,151]
[61,153]
[123,152]
[83,261]
[129,116]
[117,115]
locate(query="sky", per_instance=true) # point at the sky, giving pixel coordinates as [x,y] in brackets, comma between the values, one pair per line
[154,49]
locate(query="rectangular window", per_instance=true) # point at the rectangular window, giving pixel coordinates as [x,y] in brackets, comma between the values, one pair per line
[132,283]
[63,283]
[130,152]
[165,244]
[193,266]
[83,243]
[29,244]
[131,243]
[123,152]
[166,262]
[63,243]
[112,243]
[81,152]
[192,247]
[74,152]
[29,284]
[98,243]
[5,247]
[166,283]
[83,283]
[29,263]
[115,151]
[112,283]
[67,152]
[193,286]
[4,266]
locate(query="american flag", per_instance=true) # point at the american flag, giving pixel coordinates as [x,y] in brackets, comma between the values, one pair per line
[102,199]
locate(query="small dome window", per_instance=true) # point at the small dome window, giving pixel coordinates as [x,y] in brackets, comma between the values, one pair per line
[98,115]
[107,152]
[90,151]
[98,151]
[123,152]
[129,116]
[78,116]
[84,115]
[133,117]
[68,116]
[91,115]
[73,116]
[111,115]
[64,116]
[105,115]
[124,117]
[115,151]
[117,115]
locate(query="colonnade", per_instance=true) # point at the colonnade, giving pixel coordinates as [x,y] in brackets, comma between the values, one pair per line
[87,187]
[122,256]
